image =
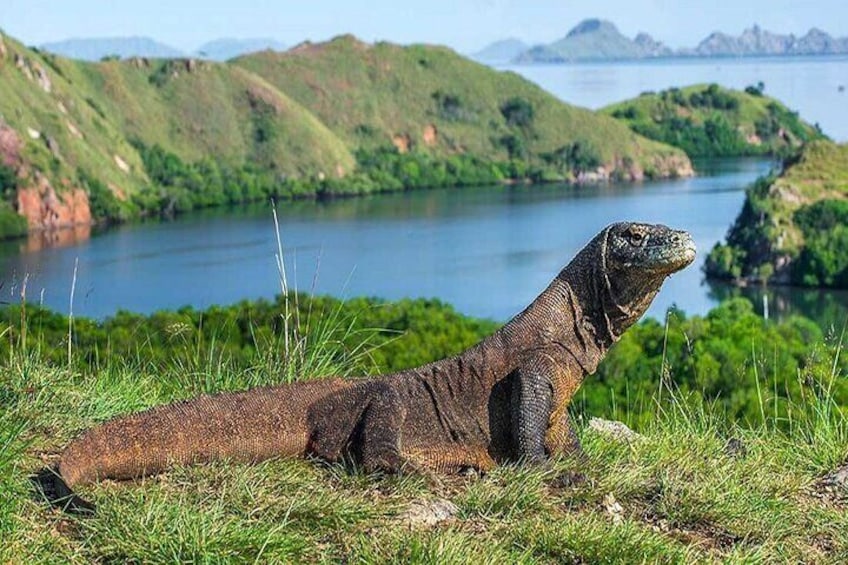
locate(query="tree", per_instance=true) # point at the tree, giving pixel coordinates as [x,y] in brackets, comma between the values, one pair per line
[518,112]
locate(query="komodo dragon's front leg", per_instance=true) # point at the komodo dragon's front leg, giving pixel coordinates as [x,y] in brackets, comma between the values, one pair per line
[381,430]
[541,426]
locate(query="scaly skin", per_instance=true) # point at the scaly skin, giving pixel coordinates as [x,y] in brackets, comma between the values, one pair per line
[503,399]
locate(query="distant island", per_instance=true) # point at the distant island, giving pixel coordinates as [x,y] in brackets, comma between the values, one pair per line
[712,121]
[792,227]
[600,40]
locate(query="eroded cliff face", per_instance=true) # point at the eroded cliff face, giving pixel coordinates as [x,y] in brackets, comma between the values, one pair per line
[673,165]
[37,200]
[45,209]
[668,166]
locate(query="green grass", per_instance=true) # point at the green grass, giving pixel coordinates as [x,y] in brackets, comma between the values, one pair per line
[676,495]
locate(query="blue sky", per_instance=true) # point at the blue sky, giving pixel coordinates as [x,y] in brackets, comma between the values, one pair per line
[465,25]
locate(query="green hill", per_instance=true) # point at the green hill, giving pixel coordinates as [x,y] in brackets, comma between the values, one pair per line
[711,121]
[116,139]
[793,228]
[430,98]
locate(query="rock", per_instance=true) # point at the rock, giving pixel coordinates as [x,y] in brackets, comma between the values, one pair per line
[431,135]
[592,177]
[613,508]
[402,142]
[10,146]
[613,430]
[122,164]
[23,66]
[33,133]
[428,513]
[44,209]
[74,130]
[43,79]
[753,139]
[140,62]
[837,478]
[735,449]
[53,146]
[569,479]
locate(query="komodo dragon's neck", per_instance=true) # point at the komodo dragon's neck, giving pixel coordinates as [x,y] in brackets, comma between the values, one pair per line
[577,314]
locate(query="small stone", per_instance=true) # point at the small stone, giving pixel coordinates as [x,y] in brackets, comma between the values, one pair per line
[735,449]
[121,164]
[838,478]
[614,430]
[428,513]
[613,508]
[53,146]
[569,479]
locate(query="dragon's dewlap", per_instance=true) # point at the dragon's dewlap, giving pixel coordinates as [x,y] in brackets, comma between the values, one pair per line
[502,399]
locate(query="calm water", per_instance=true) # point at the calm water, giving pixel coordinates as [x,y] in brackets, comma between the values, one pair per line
[488,251]
[809,85]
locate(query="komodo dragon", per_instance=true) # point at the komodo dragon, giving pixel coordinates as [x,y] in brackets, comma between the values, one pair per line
[502,399]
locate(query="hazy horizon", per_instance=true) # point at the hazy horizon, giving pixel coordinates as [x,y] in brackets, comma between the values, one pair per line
[465,25]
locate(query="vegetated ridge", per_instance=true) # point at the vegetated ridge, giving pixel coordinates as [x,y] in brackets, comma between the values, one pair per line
[793,227]
[82,142]
[712,121]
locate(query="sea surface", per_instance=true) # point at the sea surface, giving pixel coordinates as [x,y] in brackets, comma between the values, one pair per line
[486,250]
[815,87]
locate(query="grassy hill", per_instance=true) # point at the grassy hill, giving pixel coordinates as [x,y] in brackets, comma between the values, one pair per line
[694,486]
[144,136]
[793,227]
[425,97]
[711,121]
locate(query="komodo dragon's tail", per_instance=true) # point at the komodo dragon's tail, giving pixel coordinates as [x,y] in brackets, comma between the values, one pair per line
[245,426]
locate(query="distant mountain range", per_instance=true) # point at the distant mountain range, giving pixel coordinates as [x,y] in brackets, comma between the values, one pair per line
[595,40]
[95,49]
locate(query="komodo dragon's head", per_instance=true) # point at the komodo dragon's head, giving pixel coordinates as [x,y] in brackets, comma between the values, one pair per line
[634,261]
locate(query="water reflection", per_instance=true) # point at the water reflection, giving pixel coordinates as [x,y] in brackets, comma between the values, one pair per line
[829,308]
[486,250]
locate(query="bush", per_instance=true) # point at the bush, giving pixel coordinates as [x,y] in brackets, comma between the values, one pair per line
[518,112]
[823,260]
[12,224]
